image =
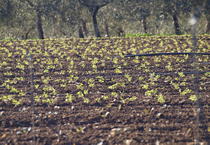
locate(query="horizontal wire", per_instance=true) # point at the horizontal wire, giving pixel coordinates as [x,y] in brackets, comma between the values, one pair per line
[165,73]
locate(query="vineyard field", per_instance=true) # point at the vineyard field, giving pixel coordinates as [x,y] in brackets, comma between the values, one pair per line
[95,91]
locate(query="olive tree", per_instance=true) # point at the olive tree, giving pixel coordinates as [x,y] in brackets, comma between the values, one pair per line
[94,6]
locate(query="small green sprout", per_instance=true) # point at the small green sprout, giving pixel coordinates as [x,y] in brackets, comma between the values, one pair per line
[69,97]
[160,98]
[86,100]
[193,98]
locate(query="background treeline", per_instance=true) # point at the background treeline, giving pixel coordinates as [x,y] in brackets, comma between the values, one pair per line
[32,19]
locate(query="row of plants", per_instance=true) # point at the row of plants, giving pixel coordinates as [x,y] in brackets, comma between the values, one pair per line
[77,68]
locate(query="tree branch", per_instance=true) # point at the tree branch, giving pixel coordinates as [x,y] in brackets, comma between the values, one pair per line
[89,5]
[30,3]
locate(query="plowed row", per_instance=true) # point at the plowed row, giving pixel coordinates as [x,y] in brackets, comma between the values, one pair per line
[86,92]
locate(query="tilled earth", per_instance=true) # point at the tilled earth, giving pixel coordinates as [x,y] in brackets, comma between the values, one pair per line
[123,104]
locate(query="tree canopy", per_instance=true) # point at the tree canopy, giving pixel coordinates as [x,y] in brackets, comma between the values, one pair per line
[65,18]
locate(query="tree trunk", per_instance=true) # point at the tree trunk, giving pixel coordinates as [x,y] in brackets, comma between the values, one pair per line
[95,24]
[85,28]
[120,31]
[81,35]
[107,29]
[106,26]
[208,28]
[39,26]
[94,10]
[144,22]
[208,24]
[207,12]
[176,24]
[26,34]
[53,32]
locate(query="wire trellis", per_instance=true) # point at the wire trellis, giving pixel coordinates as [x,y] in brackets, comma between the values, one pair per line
[193,22]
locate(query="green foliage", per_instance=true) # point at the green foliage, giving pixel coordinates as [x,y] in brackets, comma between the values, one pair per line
[193,98]
[104,76]
[137,35]
[128,77]
[160,98]
[86,100]
[80,94]
[69,97]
